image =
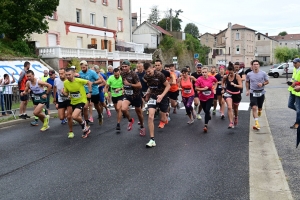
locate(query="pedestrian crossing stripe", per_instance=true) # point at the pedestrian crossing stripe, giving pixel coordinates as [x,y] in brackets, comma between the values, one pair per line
[242,106]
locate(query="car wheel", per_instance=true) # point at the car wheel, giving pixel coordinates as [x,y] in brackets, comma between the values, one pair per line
[275,75]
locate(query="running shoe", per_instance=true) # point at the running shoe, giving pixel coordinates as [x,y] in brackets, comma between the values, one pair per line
[259,113]
[46,121]
[205,129]
[143,132]
[129,127]
[74,122]
[70,135]
[44,128]
[214,112]
[151,144]
[294,126]
[86,133]
[190,121]
[199,116]
[169,119]
[139,123]
[222,116]
[91,119]
[256,126]
[100,119]
[34,123]
[235,121]
[108,113]
[63,121]
[231,125]
[161,124]
[26,116]
[118,128]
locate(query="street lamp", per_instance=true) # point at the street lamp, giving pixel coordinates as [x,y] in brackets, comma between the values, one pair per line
[225,51]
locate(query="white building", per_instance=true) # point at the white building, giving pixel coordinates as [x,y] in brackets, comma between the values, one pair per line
[265,48]
[89,29]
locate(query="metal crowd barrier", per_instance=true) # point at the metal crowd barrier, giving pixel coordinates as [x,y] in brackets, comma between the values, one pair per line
[9,96]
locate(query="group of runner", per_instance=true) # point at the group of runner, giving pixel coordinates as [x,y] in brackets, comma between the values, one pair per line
[151,87]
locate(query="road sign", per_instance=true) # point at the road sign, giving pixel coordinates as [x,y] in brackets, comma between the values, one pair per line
[174,60]
[196,55]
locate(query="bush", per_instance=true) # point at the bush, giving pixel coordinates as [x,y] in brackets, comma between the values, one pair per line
[75,62]
[261,63]
[21,46]
[167,42]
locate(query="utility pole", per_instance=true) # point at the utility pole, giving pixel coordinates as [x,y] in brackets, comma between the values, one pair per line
[140,16]
[171,19]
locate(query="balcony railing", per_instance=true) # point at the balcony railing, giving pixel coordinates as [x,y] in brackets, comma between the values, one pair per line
[63,52]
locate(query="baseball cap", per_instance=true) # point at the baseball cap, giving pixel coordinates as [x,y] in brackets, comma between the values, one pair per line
[126,62]
[73,67]
[83,62]
[296,60]
[199,65]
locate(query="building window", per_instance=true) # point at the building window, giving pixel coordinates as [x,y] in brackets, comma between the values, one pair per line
[105,21]
[119,4]
[120,25]
[104,2]
[258,37]
[133,22]
[92,19]
[265,59]
[78,16]
[285,43]
[237,36]
[93,1]
[280,43]
[237,49]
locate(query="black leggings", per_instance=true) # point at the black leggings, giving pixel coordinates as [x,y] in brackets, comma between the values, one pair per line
[206,106]
[8,101]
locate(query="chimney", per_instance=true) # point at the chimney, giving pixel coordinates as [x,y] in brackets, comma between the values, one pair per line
[229,25]
[267,34]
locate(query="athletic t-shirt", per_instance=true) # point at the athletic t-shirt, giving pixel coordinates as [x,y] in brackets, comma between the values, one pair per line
[76,90]
[132,78]
[202,82]
[156,83]
[166,73]
[59,87]
[174,87]
[92,76]
[115,84]
[196,75]
[255,78]
[187,87]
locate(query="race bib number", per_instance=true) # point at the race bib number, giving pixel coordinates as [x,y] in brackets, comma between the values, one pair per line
[257,94]
[32,95]
[64,98]
[129,92]
[187,91]
[37,98]
[75,95]
[226,94]
[206,93]
[152,102]
[117,91]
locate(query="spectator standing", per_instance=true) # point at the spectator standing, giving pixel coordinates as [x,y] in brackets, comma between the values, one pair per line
[8,92]
[1,97]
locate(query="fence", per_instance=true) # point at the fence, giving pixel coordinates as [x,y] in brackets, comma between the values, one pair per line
[9,99]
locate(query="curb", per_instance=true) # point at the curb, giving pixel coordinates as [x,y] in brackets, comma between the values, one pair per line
[267,179]
[19,121]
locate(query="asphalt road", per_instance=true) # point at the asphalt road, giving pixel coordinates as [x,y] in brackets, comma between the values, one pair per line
[185,164]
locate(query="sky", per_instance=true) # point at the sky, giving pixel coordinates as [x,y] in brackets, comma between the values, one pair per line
[265,16]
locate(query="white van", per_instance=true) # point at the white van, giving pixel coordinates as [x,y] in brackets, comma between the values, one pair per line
[281,70]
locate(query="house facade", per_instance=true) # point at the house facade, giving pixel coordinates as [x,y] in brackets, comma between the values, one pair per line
[149,35]
[238,43]
[90,29]
[289,40]
[265,48]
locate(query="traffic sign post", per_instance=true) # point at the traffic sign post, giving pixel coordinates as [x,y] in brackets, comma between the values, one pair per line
[175,60]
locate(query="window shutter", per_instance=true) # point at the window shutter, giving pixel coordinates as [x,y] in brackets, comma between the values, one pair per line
[102,44]
[109,45]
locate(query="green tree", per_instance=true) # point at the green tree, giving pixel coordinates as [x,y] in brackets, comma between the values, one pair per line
[165,24]
[195,46]
[192,29]
[283,33]
[154,16]
[20,18]
[283,54]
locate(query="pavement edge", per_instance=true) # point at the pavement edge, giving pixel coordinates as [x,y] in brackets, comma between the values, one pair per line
[267,179]
[18,121]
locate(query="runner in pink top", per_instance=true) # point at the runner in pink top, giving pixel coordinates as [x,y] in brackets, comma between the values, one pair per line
[205,85]
[187,92]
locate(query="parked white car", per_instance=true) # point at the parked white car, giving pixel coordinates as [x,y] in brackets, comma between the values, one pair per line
[281,70]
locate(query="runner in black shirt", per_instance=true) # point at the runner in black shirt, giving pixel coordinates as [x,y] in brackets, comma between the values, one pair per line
[240,71]
[197,105]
